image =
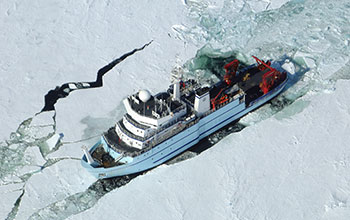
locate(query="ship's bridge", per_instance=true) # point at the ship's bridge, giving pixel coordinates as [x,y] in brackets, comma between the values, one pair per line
[154,111]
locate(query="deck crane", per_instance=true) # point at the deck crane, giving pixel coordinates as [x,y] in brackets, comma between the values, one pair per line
[269,78]
[231,69]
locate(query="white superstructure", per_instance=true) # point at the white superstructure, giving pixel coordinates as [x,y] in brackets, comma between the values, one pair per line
[147,115]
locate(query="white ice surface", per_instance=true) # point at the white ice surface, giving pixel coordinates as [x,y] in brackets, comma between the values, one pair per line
[296,167]
[11,192]
[48,43]
[53,141]
[34,161]
[53,184]
[72,150]
[289,168]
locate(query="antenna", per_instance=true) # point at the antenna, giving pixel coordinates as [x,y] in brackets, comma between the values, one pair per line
[155,104]
[177,71]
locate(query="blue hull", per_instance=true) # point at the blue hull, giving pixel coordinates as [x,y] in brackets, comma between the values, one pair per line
[181,141]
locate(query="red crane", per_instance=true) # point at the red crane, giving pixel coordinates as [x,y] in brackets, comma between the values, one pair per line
[215,101]
[231,69]
[269,78]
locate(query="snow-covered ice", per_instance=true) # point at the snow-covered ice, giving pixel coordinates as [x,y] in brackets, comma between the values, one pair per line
[53,184]
[11,192]
[293,164]
[280,168]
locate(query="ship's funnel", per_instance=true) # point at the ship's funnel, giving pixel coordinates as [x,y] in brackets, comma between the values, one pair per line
[202,101]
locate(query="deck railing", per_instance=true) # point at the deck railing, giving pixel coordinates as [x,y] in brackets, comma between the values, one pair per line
[135,123]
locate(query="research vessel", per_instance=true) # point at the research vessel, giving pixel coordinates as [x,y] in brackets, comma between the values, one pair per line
[158,127]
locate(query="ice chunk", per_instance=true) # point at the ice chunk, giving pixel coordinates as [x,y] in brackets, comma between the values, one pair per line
[54,140]
[258,6]
[38,127]
[43,119]
[289,67]
[33,155]
[72,86]
[33,160]
[9,194]
[54,183]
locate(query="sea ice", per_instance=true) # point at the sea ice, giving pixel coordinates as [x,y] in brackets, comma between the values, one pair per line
[269,168]
[52,184]
[9,194]
[33,161]
[54,140]
[289,165]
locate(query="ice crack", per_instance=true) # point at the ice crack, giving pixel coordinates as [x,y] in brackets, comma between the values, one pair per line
[81,201]
[13,213]
[63,91]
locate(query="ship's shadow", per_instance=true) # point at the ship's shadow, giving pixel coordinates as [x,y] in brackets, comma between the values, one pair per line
[104,186]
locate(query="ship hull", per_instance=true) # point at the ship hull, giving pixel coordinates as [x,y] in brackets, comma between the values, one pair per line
[183,140]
